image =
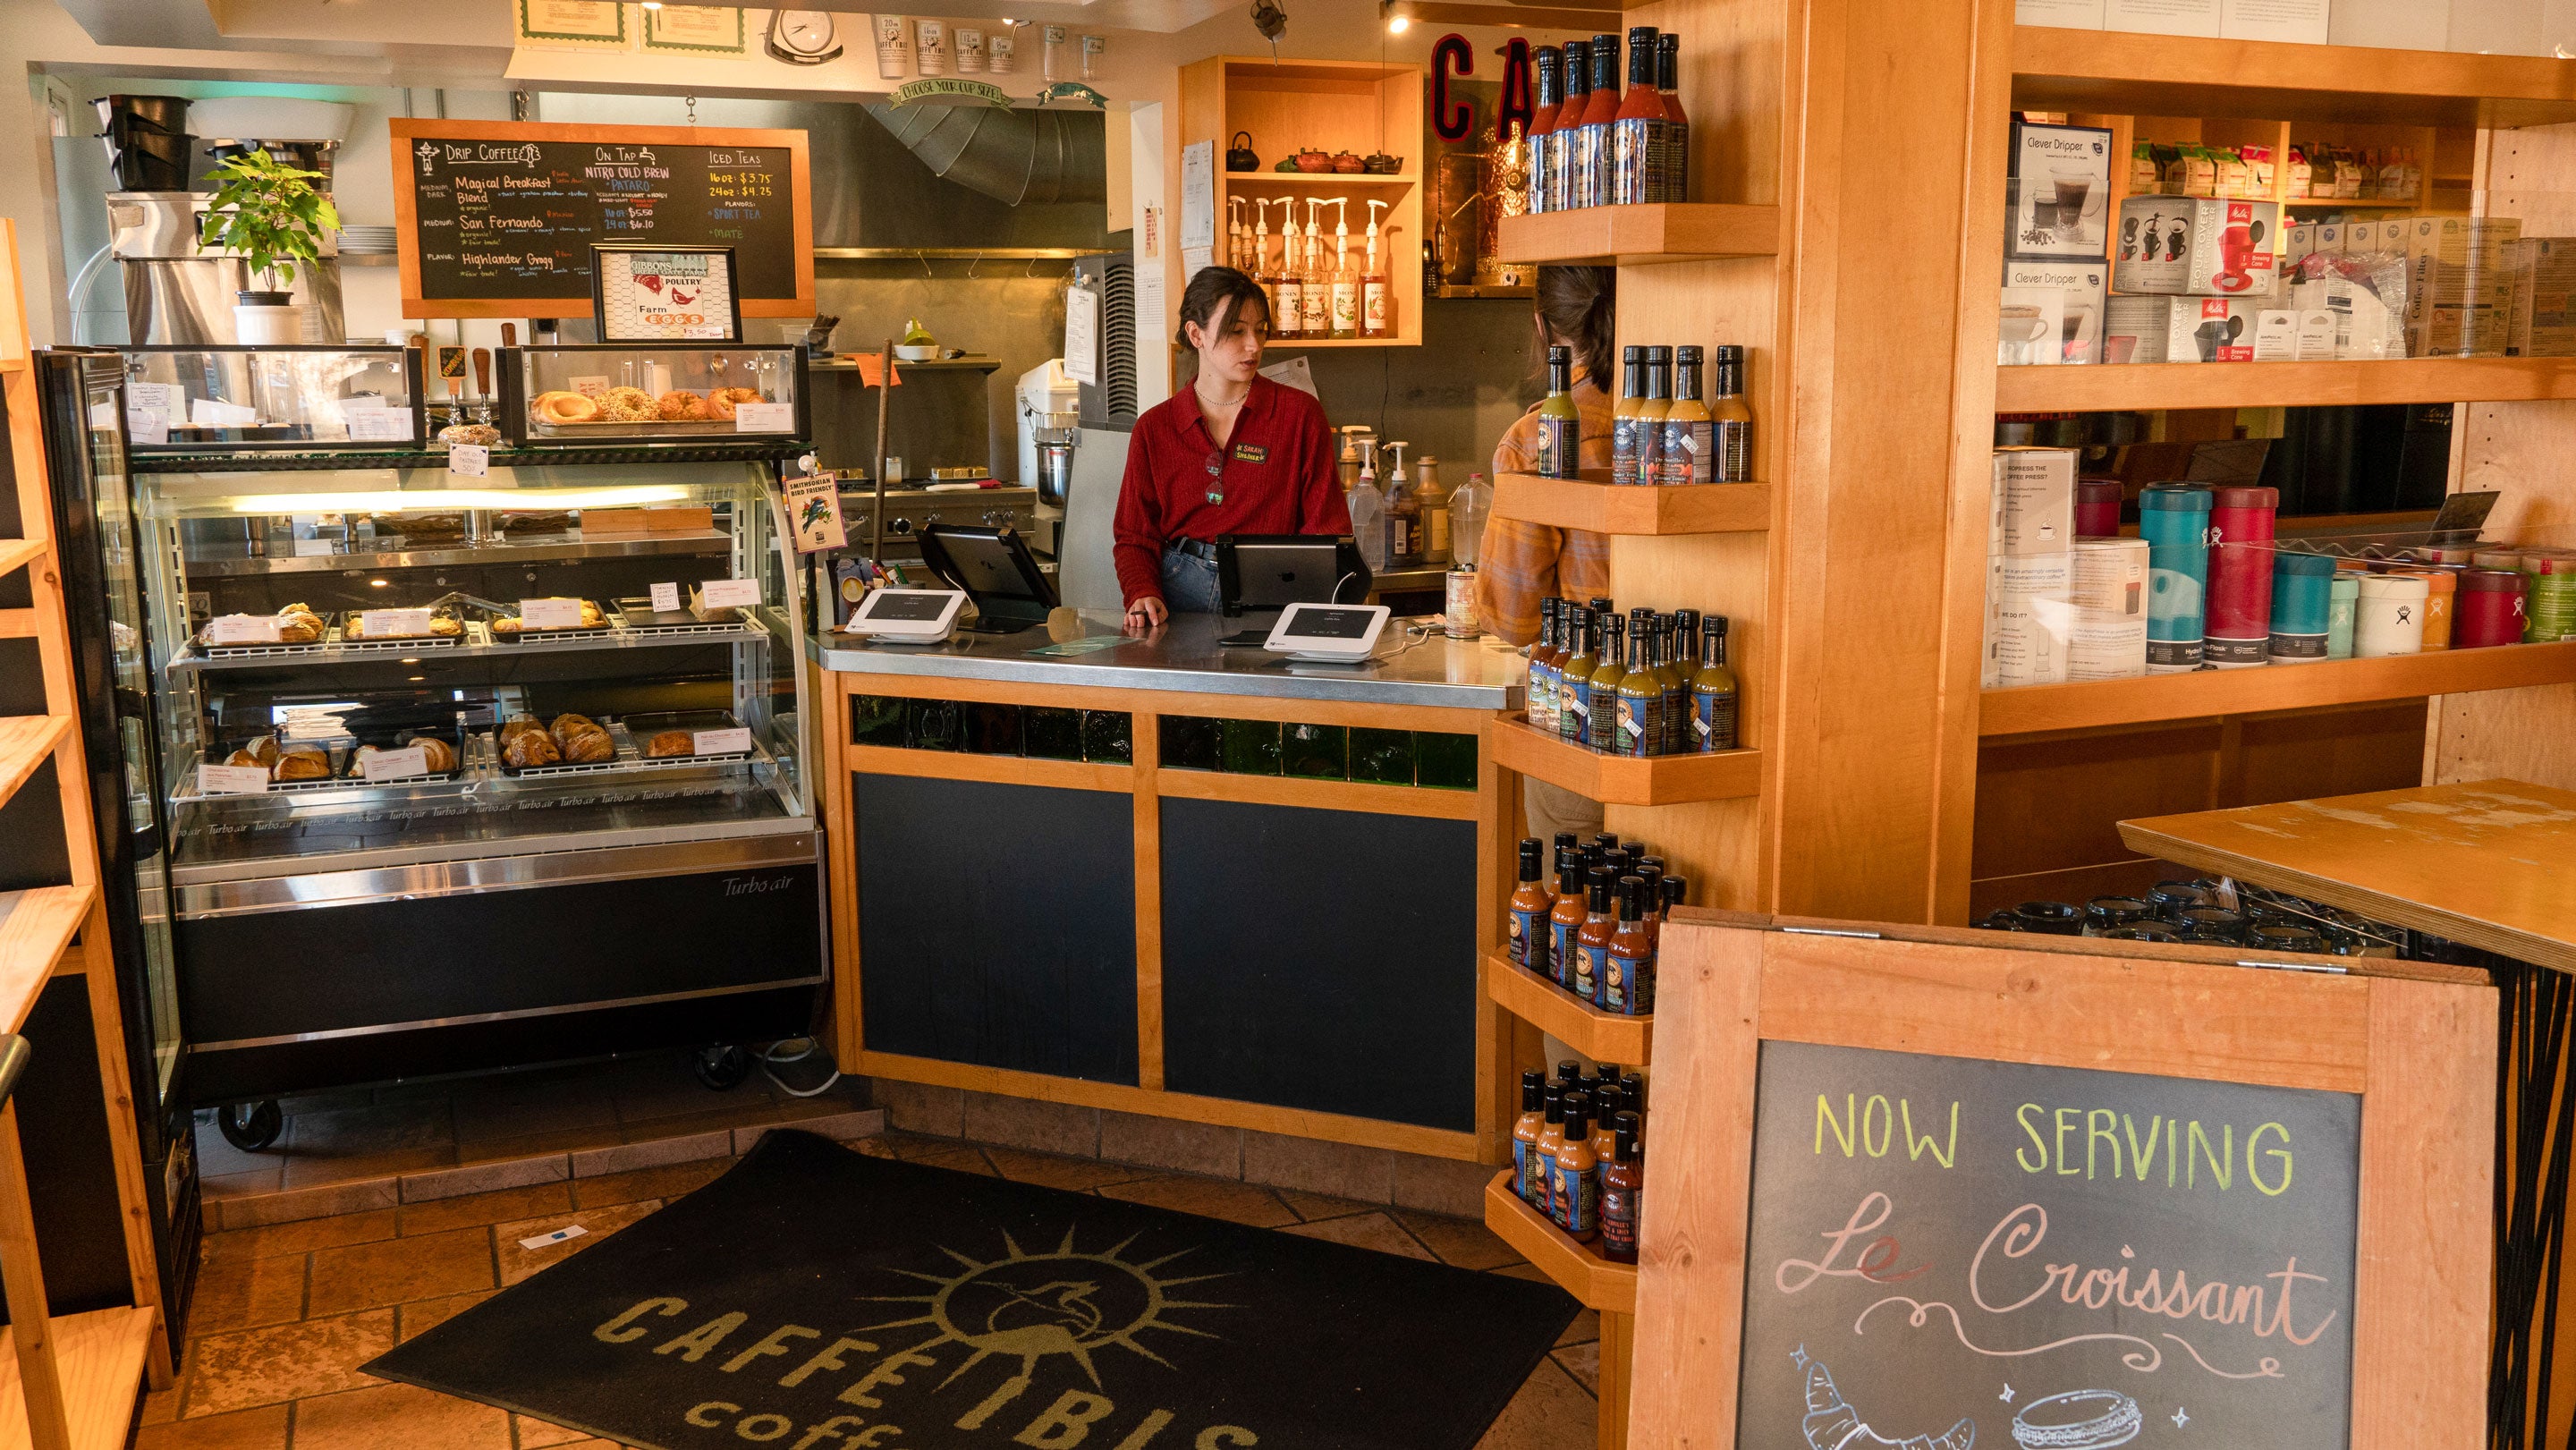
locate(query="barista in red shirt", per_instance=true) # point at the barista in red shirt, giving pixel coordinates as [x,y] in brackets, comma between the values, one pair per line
[1232,453]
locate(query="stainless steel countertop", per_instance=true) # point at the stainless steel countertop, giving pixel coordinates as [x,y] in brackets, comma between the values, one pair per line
[1479,674]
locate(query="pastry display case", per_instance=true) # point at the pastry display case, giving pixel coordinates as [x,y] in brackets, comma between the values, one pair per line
[518,761]
[629,393]
[273,398]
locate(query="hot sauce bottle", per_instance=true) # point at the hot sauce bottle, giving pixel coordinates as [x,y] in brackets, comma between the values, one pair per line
[1551,1140]
[1673,167]
[1565,920]
[1687,452]
[1605,1104]
[1577,1190]
[1601,701]
[1651,412]
[1731,419]
[1530,907]
[1630,954]
[1574,680]
[1542,125]
[1713,692]
[1592,939]
[1641,693]
[1542,678]
[1627,416]
[1569,116]
[1678,629]
[1560,422]
[1637,127]
[1592,134]
[1650,904]
[1623,1192]
[1675,888]
[1533,1121]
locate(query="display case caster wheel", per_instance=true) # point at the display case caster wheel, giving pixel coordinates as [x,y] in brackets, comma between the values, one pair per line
[723,1069]
[254,1129]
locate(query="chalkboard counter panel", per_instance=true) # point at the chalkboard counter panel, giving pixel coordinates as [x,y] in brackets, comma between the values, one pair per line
[1598,1035]
[497,218]
[1919,1321]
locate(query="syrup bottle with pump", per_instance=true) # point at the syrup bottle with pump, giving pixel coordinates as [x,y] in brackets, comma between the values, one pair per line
[1287,287]
[1377,294]
[1345,293]
[1317,319]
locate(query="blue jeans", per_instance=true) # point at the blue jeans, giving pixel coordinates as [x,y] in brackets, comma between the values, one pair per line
[1189,583]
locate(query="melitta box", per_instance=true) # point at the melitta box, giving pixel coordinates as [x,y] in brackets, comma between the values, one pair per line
[2061,192]
[2178,329]
[2198,246]
[2052,312]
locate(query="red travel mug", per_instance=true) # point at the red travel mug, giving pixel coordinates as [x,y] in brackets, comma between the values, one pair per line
[2488,609]
[2097,508]
[2240,577]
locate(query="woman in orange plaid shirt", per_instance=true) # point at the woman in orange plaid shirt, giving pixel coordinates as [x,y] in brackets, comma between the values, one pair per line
[1521,563]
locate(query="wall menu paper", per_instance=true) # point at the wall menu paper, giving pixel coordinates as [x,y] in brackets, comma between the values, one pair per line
[496,217]
[588,24]
[1198,194]
[1946,1252]
[710,30]
[2162,17]
[1082,335]
[2300,22]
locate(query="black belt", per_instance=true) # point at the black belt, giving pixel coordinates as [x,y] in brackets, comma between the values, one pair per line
[1195,548]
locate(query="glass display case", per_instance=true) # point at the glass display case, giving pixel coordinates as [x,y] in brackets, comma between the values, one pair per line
[631,393]
[406,719]
[273,398]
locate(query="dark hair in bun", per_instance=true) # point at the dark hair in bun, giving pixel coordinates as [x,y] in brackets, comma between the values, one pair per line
[1215,300]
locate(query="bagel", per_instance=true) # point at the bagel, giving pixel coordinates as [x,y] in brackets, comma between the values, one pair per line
[721,401]
[566,408]
[681,406]
[627,405]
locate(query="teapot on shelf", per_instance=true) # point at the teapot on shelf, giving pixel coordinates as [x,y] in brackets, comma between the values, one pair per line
[1238,153]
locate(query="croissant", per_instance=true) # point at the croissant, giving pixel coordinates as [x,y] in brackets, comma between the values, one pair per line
[530,748]
[437,754]
[670,743]
[244,757]
[298,629]
[569,721]
[587,747]
[262,751]
[518,725]
[302,765]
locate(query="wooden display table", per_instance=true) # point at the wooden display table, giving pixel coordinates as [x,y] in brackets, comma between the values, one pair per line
[2491,863]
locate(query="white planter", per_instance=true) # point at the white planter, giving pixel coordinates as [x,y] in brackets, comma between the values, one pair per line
[265,324]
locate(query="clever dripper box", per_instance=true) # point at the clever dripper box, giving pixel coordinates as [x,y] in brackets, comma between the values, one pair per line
[2198,246]
[2052,312]
[2032,506]
[2459,293]
[2179,329]
[2060,184]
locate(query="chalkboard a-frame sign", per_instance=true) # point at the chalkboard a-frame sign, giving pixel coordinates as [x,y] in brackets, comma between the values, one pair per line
[1950,1192]
[497,218]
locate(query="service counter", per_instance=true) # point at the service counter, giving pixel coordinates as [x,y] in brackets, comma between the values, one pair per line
[1169,877]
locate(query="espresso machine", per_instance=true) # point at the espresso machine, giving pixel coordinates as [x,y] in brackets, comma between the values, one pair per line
[174,292]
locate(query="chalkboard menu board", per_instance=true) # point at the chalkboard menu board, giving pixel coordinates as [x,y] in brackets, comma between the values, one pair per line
[496,219]
[1947,1253]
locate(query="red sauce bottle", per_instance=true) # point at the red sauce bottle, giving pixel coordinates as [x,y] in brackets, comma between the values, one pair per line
[1630,956]
[1525,1133]
[1592,940]
[1542,125]
[1673,167]
[1530,907]
[1565,920]
[1637,127]
[1551,1139]
[1577,1194]
[1592,129]
[1623,1192]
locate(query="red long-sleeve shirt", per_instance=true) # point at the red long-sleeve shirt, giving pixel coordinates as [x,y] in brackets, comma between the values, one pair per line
[1278,478]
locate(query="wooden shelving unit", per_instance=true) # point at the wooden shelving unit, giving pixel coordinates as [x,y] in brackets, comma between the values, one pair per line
[1620,780]
[2111,71]
[2150,386]
[1601,1036]
[1593,1280]
[2150,698]
[1361,107]
[98,1357]
[1597,506]
[1632,236]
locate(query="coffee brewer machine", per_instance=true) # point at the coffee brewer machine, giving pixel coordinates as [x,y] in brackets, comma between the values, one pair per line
[175,293]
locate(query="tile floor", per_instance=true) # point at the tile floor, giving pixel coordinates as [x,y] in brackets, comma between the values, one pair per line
[284,1313]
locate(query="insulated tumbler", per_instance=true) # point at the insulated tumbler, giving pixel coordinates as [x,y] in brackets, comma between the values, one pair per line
[2489,609]
[2549,595]
[2240,576]
[2097,508]
[2302,591]
[2341,603]
[2390,620]
[2441,600]
[2174,520]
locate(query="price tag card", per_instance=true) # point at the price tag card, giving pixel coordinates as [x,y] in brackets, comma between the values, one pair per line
[666,598]
[550,613]
[168,399]
[713,331]
[242,629]
[395,764]
[469,460]
[764,418]
[736,741]
[232,780]
[378,425]
[147,427]
[315,548]
[589,387]
[207,412]
[814,504]
[393,623]
[729,593]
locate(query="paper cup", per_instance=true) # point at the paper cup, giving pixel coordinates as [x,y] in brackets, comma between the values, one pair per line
[970,50]
[933,49]
[894,47]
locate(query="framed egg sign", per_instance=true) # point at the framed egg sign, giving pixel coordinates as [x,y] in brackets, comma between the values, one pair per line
[664,294]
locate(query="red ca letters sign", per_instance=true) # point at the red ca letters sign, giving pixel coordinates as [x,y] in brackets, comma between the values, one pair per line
[1451,55]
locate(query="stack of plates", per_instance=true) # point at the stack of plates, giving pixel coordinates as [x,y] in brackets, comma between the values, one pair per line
[366,241]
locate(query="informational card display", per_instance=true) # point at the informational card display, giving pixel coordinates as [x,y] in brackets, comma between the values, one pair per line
[242,629]
[814,511]
[764,418]
[393,623]
[400,764]
[469,460]
[232,780]
[734,741]
[679,294]
[729,593]
[550,613]
[666,598]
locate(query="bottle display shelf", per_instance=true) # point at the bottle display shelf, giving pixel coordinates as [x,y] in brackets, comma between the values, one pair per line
[1621,780]
[1575,1268]
[1596,505]
[1598,1035]
[2144,699]
[1628,236]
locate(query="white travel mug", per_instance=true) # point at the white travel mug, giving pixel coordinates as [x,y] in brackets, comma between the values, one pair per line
[2390,620]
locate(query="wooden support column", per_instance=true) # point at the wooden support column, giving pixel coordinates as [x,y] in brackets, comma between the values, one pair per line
[31,1325]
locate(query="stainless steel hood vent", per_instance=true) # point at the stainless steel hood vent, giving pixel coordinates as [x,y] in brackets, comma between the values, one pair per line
[1013,156]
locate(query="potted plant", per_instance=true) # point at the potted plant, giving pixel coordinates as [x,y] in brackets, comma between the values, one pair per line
[268,213]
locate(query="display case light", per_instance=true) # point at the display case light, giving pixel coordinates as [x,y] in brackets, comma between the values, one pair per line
[448,500]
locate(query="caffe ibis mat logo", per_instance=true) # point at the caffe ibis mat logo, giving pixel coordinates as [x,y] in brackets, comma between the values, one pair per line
[1050,1314]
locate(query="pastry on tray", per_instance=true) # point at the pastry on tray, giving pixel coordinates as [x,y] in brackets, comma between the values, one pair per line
[261,752]
[564,407]
[518,725]
[483,433]
[628,405]
[569,721]
[670,743]
[590,746]
[434,752]
[529,748]
[301,763]
[681,406]
[722,401]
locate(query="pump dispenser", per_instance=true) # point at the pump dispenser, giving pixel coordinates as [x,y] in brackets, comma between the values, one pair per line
[1346,283]
[1377,293]
[1287,290]
[1404,542]
[1234,244]
[1317,318]
[1368,512]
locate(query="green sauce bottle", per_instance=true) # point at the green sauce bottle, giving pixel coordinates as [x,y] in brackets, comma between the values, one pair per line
[1641,693]
[1713,692]
[1574,679]
[1602,730]
[1560,423]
